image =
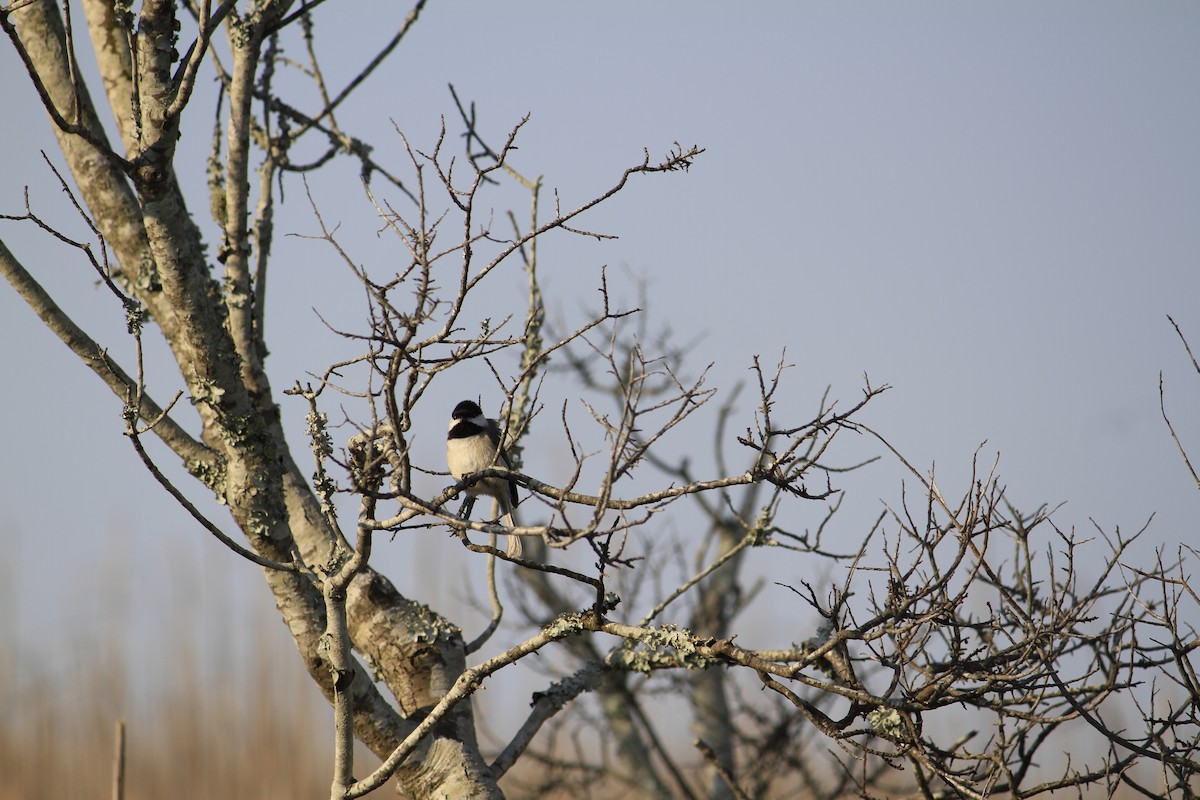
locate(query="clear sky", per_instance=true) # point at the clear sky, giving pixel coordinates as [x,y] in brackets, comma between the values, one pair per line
[991,206]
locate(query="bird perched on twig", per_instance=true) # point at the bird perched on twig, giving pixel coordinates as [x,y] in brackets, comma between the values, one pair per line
[472,445]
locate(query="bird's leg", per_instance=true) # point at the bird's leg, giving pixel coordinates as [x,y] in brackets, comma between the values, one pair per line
[467,507]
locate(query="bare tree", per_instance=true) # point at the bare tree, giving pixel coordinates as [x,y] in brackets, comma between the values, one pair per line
[950,653]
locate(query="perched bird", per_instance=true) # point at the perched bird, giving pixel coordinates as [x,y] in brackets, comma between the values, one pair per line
[473,444]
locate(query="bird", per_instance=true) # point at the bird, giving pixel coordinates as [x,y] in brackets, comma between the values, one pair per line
[472,445]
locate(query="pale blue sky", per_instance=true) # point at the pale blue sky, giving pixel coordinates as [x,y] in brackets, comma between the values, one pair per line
[990,206]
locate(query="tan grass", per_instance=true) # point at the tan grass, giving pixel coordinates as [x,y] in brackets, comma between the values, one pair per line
[259,737]
[216,702]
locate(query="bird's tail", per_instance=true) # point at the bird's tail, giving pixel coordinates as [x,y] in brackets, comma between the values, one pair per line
[510,520]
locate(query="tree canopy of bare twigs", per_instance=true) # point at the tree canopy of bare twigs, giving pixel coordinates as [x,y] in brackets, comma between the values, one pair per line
[954,645]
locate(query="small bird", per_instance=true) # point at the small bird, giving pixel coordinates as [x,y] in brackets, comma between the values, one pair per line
[472,445]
